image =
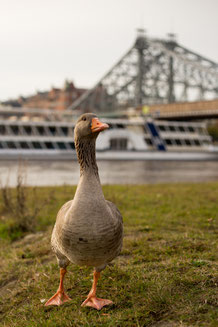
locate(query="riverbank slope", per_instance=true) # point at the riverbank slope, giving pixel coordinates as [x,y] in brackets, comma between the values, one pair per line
[165,276]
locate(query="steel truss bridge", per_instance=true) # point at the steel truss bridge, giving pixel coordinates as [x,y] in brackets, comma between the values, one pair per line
[153,71]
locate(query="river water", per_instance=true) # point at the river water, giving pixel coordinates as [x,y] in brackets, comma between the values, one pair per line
[42,173]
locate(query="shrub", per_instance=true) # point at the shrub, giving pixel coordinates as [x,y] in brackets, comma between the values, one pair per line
[20,207]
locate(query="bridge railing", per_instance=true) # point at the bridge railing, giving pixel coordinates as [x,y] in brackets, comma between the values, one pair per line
[184,109]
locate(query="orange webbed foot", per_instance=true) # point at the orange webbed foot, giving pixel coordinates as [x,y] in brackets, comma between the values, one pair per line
[59,298]
[96,303]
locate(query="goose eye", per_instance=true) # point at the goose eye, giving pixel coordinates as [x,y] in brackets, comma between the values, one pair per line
[84,119]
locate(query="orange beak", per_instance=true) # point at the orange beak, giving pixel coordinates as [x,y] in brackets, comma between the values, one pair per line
[98,126]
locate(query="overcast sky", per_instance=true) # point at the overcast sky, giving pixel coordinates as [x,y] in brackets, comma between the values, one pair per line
[43,42]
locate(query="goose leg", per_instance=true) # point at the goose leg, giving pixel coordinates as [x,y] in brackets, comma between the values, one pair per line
[60,296]
[92,300]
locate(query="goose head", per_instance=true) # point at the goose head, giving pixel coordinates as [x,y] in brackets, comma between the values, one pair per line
[88,126]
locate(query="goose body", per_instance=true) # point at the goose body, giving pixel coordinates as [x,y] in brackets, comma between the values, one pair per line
[88,229]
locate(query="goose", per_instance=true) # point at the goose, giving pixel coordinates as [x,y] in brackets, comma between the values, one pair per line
[88,229]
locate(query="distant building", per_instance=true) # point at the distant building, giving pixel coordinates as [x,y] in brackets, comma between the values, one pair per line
[57,99]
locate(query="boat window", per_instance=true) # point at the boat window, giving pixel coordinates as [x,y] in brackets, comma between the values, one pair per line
[36,145]
[1,146]
[178,142]
[11,145]
[2,129]
[188,142]
[24,145]
[172,128]
[120,126]
[15,129]
[168,141]
[181,128]
[118,144]
[41,130]
[162,128]
[148,141]
[197,142]
[72,145]
[28,130]
[64,130]
[191,129]
[61,145]
[49,145]
[52,130]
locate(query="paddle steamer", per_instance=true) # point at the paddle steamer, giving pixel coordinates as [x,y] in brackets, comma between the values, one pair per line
[128,139]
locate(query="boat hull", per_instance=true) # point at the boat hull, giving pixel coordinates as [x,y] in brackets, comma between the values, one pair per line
[109,155]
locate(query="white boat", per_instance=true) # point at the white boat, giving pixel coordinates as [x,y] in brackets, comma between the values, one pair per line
[127,139]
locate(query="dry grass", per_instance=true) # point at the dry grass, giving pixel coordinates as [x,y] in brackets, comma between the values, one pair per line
[20,207]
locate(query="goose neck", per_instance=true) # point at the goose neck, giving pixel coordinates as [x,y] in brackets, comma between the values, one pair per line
[85,149]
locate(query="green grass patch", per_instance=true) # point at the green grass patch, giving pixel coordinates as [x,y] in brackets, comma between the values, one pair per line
[165,276]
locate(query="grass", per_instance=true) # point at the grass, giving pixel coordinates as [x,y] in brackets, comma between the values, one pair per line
[165,276]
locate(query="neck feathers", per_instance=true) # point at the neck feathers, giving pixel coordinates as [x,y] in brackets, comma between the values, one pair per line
[86,155]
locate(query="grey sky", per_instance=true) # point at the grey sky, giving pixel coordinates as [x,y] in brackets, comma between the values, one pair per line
[43,42]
